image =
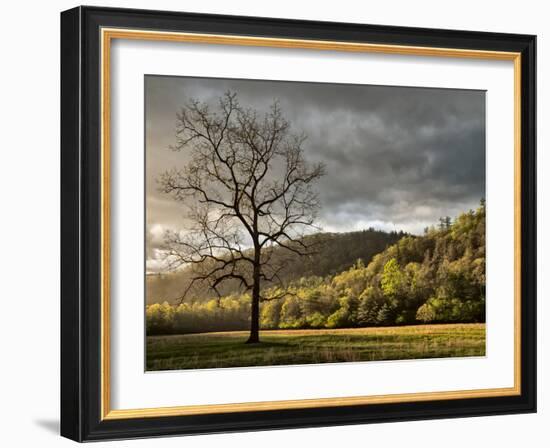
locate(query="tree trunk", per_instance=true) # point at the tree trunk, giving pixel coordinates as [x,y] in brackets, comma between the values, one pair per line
[255,308]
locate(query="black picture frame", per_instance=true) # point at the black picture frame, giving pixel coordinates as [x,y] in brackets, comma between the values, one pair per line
[81,224]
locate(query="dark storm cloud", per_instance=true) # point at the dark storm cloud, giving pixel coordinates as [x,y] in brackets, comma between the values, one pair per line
[396,157]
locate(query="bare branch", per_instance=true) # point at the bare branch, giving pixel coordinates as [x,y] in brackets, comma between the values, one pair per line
[247,189]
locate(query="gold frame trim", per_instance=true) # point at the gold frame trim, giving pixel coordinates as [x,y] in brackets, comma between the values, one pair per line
[107,35]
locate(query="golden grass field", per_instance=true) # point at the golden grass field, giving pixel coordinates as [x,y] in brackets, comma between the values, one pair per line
[285,347]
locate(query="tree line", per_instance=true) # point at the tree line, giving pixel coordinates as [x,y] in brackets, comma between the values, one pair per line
[434,278]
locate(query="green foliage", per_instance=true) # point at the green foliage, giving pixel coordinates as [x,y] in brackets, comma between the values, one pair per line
[229,313]
[291,314]
[316,320]
[437,277]
[392,279]
[270,315]
[451,310]
[426,313]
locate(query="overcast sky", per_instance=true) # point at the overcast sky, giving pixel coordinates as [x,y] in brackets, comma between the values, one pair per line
[397,158]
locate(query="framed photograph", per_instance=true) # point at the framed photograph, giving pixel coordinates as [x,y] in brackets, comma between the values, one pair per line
[273,223]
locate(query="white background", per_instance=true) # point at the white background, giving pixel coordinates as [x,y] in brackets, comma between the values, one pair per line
[29,185]
[132,388]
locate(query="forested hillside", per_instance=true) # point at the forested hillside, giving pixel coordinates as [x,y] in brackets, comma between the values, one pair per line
[437,277]
[332,253]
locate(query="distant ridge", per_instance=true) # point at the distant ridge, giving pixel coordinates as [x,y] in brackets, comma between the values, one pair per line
[335,252]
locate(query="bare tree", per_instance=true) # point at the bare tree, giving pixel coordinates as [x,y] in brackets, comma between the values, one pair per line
[248,189]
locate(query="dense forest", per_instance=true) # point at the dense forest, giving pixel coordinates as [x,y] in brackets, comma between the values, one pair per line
[434,278]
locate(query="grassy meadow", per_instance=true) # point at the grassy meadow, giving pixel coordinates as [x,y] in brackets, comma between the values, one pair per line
[284,347]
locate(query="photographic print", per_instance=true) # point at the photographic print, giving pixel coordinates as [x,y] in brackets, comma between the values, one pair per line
[294,223]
